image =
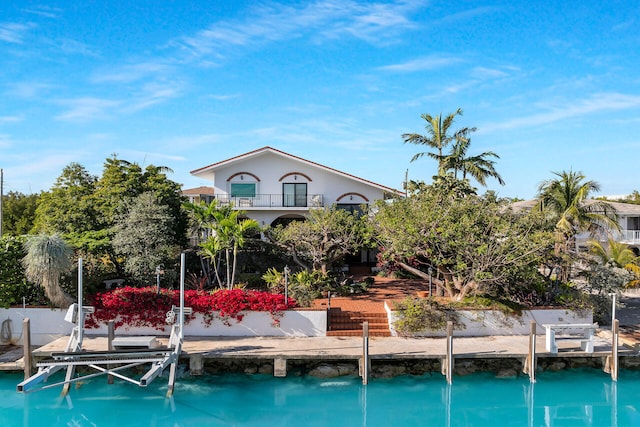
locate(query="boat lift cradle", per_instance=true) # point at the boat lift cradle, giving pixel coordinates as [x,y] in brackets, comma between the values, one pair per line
[109,362]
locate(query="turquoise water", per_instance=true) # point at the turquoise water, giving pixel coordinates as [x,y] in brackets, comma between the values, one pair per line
[568,398]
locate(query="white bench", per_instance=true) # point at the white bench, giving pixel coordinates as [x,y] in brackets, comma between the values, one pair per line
[583,332]
[149,342]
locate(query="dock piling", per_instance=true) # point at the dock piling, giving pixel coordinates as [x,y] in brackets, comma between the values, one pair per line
[530,362]
[26,347]
[448,362]
[364,365]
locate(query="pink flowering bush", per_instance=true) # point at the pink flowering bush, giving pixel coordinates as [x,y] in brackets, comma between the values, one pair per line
[138,307]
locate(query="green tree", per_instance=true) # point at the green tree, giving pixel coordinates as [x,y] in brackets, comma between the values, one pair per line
[323,239]
[67,208]
[472,245]
[18,213]
[47,258]
[565,198]
[143,236]
[438,137]
[228,231]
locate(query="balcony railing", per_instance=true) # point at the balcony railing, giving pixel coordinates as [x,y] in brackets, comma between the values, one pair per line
[628,236]
[272,201]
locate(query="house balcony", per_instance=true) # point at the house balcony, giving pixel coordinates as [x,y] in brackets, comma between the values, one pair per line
[272,201]
[630,237]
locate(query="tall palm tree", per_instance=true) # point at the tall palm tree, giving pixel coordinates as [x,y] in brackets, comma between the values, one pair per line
[480,167]
[566,197]
[47,258]
[437,137]
[618,254]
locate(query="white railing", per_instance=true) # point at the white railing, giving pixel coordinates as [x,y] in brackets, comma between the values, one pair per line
[272,201]
[630,237]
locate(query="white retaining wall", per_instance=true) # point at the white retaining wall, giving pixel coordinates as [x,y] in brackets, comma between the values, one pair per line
[492,322]
[48,324]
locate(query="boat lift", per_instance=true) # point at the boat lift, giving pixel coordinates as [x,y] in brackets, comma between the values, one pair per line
[110,362]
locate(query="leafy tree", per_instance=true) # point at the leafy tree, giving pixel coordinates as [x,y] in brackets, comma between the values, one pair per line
[565,199]
[47,258]
[143,236]
[633,198]
[68,208]
[18,213]
[323,239]
[473,245]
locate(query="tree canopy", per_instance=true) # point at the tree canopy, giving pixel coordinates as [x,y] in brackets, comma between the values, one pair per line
[323,239]
[471,244]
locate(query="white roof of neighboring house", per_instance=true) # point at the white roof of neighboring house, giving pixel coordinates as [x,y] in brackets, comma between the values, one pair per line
[264,150]
[621,208]
[209,191]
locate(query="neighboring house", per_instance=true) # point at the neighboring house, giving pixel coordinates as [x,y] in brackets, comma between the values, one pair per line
[199,194]
[628,219]
[274,187]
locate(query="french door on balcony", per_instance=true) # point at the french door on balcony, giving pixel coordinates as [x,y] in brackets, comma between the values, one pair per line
[294,195]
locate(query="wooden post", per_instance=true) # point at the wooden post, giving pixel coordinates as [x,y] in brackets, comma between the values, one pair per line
[449,352]
[530,362]
[614,350]
[26,347]
[110,336]
[365,353]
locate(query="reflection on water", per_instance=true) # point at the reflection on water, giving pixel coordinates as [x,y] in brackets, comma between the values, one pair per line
[577,398]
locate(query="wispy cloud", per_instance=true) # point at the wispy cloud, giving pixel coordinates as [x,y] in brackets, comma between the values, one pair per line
[14,32]
[324,19]
[152,94]
[430,62]
[131,73]
[84,109]
[600,102]
[41,10]
[10,119]
[28,89]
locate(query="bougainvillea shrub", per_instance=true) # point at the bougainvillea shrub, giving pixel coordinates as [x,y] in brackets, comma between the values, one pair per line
[140,307]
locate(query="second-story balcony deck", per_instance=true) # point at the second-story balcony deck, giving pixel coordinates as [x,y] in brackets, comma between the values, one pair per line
[630,237]
[272,201]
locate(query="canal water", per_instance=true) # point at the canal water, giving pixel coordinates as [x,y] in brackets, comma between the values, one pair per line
[567,398]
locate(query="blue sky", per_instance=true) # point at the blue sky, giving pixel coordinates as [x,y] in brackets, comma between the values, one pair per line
[550,86]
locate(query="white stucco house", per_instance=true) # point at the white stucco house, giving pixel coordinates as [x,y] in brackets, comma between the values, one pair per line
[628,219]
[273,186]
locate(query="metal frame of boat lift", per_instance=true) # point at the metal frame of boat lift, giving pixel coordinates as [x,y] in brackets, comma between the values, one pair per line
[110,362]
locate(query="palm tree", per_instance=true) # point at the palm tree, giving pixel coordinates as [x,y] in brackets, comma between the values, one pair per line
[437,137]
[228,233]
[566,197]
[47,258]
[480,167]
[618,254]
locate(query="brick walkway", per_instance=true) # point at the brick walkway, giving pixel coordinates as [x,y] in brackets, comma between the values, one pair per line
[348,314]
[383,289]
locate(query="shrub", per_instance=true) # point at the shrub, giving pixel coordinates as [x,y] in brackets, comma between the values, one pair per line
[420,314]
[147,307]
